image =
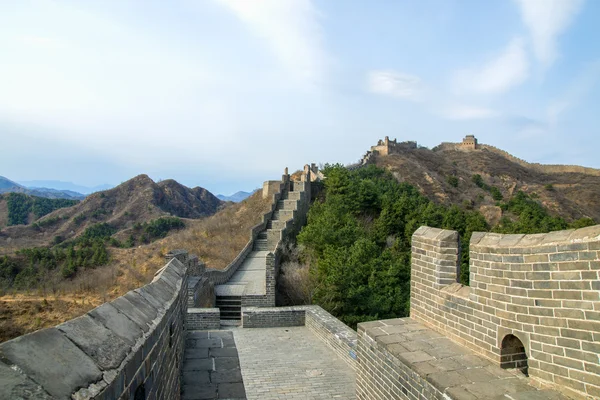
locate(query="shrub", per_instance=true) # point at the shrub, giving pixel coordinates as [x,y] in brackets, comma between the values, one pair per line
[452,180]
[98,231]
[496,194]
[158,228]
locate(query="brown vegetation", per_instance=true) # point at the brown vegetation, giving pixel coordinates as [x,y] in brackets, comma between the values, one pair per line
[138,200]
[217,240]
[571,195]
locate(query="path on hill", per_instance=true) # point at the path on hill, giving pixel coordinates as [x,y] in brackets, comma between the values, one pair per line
[251,276]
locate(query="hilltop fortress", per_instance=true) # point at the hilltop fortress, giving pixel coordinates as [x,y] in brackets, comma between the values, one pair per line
[388,147]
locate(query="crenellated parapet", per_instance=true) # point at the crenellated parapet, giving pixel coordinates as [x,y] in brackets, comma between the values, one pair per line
[533,302]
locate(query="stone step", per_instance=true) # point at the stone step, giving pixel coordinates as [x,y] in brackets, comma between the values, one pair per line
[231,317]
[292,196]
[239,298]
[261,245]
[229,303]
[230,307]
[283,215]
[230,312]
[276,224]
[287,204]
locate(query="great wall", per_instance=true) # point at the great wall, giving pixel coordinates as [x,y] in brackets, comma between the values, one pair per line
[527,327]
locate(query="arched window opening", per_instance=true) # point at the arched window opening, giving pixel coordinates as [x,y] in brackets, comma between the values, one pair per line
[512,354]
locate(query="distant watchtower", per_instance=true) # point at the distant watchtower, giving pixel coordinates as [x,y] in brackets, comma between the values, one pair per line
[469,142]
[386,147]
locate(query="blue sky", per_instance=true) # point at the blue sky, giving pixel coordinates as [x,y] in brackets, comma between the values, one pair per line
[226,93]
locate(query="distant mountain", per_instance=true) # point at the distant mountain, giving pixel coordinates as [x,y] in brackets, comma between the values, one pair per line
[8,186]
[6,183]
[236,197]
[65,186]
[136,201]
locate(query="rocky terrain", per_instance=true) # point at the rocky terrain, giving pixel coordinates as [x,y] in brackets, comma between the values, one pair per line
[136,201]
[445,174]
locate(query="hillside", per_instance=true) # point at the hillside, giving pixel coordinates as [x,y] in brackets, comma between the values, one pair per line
[446,175]
[217,240]
[138,200]
[8,186]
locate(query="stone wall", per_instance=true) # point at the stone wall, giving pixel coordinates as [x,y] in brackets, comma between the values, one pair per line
[333,332]
[203,319]
[272,317]
[382,375]
[543,289]
[130,347]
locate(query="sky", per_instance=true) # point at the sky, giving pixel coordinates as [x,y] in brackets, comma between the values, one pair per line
[225,94]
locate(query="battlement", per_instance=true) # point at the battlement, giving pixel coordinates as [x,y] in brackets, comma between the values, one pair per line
[469,142]
[533,302]
[386,147]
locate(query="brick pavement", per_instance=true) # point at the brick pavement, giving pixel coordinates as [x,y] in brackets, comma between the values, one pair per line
[211,369]
[291,363]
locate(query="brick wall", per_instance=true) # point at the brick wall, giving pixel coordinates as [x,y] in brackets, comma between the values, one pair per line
[271,317]
[203,319]
[132,345]
[543,289]
[382,376]
[333,332]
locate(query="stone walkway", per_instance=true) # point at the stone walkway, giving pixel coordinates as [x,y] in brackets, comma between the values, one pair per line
[249,279]
[211,369]
[291,363]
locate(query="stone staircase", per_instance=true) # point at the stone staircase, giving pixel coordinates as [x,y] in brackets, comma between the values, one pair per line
[284,211]
[230,307]
[229,295]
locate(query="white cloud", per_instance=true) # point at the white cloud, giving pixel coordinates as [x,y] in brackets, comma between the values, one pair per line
[291,29]
[395,84]
[509,68]
[462,112]
[546,20]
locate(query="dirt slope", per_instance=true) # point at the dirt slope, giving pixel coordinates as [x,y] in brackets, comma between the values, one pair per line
[570,192]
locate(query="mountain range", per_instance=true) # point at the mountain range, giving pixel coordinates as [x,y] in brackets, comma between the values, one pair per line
[8,186]
[135,201]
[237,196]
[64,186]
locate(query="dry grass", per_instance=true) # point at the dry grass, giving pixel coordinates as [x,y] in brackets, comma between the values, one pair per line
[216,240]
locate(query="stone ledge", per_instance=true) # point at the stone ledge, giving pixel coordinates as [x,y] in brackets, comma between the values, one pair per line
[442,366]
[515,241]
